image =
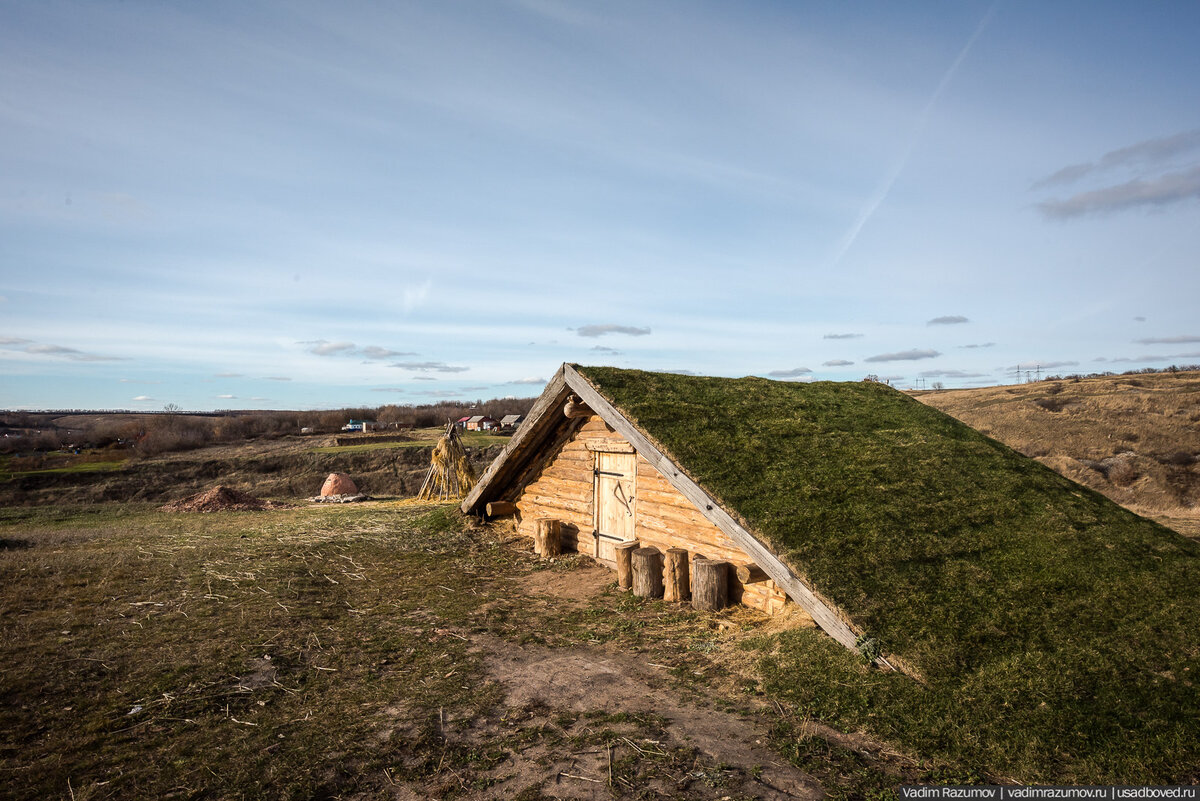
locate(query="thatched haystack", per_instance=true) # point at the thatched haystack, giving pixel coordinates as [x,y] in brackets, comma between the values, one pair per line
[450,473]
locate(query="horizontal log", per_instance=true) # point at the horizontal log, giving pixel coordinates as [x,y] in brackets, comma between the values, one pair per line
[578,455]
[701,535]
[677,507]
[553,487]
[596,423]
[576,408]
[751,574]
[578,508]
[501,508]
[665,538]
[609,446]
[570,471]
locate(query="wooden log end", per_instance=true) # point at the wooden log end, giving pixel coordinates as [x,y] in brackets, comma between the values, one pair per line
[501,508]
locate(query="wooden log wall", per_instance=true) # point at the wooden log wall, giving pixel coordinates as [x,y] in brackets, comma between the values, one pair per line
[664,519]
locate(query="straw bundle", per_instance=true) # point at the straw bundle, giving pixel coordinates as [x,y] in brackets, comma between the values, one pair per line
[450,474]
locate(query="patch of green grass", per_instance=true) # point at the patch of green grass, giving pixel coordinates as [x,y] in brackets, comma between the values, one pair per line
[1053,631]
[74,467]
[423,438]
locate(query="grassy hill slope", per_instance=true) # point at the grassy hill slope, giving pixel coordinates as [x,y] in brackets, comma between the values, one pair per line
[1065,623]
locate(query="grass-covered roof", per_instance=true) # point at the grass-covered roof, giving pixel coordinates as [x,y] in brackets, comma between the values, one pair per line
[986,571]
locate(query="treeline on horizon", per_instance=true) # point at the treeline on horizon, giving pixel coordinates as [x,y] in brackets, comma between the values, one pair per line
[151,433]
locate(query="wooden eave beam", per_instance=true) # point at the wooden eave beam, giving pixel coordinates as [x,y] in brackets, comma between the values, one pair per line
[825,616]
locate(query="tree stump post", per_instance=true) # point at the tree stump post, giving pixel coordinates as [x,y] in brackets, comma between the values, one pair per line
[710,584]
[547,540]
[647,573]
[624,554]
[675,579]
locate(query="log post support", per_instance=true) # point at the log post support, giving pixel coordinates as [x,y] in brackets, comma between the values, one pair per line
[547,539]
[710,584]
[624,555]
[647,573]
[675,575]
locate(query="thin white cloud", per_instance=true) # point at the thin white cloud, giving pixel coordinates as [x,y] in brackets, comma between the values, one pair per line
[322,347]
[980,345]
[44,349]
[1148,152]
[227,375]
[1176,340]
[427,367]
[904,356]
[227,397]
[608,328]
[841,336]
[795,372]
[377,353]
[949,374]
[1043,365]
[396,390]
[951,319]
[529,381]
[7,341]
[276,378]
[837,363]
[142,398]
[1163,190]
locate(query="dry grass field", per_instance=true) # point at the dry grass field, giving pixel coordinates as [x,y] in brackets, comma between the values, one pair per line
[386,650]
[1135,438]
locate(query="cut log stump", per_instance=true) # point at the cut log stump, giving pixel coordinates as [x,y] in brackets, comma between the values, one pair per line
[624,553]
[647,573]
[547,539]
[675,575]
[710,584]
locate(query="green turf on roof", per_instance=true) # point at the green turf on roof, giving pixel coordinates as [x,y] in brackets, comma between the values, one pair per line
[979,566]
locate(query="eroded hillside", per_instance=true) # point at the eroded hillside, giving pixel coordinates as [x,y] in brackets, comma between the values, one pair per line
[1135,438]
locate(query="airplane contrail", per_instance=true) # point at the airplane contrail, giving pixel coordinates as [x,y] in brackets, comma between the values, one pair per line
[885,186]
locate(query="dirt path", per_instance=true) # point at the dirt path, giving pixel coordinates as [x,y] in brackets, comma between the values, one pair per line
[591,680]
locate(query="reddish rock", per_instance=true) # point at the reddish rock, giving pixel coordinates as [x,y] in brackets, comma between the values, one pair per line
[339,484]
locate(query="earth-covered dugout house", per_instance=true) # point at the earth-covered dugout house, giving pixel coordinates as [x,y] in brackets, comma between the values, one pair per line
[904,533]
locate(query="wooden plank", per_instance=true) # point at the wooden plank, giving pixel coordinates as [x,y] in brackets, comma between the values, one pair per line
[824,614]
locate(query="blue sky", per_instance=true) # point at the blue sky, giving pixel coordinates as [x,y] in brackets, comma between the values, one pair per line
[309,205]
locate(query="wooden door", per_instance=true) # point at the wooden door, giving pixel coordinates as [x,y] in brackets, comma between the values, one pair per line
[616,475]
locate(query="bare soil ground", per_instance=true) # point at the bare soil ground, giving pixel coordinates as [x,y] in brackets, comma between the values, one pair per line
[1135,438]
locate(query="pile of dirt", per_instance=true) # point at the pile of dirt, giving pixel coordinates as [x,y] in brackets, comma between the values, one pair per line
[220,499]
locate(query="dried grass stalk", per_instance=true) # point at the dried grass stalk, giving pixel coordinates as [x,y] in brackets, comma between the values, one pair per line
[450,473]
